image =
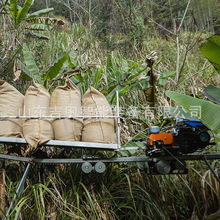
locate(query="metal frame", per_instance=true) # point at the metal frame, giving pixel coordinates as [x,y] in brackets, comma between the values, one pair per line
[56,143]
[74,144]
[118,120]
[30,160]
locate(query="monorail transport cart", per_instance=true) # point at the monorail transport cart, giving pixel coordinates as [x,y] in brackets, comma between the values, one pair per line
[159,151]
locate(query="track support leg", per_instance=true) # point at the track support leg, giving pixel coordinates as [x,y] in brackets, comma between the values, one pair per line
[19,190]
[210,167]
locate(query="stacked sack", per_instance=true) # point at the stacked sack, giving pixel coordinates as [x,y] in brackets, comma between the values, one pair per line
[11,104]
[36,103]
[66,101]
[100,130]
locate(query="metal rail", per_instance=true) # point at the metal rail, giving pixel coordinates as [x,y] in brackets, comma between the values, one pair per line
[109,160]
[56,143]
[118,120]
[55,117]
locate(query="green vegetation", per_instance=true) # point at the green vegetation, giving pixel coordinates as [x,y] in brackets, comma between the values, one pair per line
[210,49]
[109,44]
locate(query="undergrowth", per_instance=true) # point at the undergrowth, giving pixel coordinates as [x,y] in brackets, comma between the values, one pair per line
[122,192]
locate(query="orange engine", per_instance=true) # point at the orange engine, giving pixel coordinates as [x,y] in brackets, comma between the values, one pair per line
[167,138]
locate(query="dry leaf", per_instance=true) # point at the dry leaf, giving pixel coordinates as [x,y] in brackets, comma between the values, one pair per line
[17,71]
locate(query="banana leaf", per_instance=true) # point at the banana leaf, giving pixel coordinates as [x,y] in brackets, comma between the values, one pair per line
[25,74]
[14,9]
[54,70]
[121,90]
[207,112]
[211,50]
[40,13]
[23,12]
[45,20]
[39,27]
[79,78]
[140,85]
[212,93]
[35,35]
[163,78]
[124,66]
[71,58]
[177,112]
[161,82]
[31,65]
[166,75]
[136,72]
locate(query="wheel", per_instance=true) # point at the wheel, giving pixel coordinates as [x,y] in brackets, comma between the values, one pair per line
[100,167]
[87,167]
[163,167]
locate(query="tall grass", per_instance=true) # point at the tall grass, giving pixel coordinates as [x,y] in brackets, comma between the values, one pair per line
[122,192]
[91,54]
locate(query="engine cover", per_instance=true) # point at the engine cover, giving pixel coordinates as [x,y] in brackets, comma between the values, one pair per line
[167,138]
[191,137]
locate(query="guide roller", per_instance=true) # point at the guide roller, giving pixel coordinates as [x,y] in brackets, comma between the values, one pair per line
[162,167]
[87,167]
[100,167]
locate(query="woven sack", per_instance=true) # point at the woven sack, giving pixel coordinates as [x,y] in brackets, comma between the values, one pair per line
[11,104]
[36,103]
[100,130]
[66,101]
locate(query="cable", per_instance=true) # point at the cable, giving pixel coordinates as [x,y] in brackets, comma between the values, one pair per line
[173,156]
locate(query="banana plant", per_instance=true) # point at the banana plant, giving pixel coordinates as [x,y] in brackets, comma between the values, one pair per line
[30,70]
[155,80]
[117,74]
[83,77]
[26,23]
[124,76]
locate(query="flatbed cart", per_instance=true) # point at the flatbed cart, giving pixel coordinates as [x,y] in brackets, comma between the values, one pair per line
[167,164]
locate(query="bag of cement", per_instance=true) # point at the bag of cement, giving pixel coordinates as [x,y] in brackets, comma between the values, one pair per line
[100,130]
[66,101]
[36,103]
[11,104]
